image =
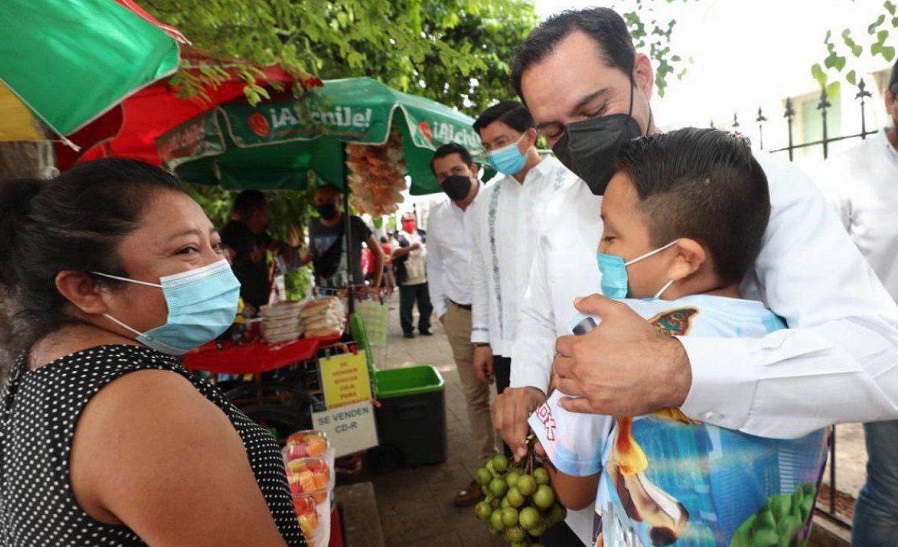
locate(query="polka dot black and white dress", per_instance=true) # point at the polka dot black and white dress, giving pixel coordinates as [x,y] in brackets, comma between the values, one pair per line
[37,425]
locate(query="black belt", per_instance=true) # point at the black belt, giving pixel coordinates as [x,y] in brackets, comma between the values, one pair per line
[462,306]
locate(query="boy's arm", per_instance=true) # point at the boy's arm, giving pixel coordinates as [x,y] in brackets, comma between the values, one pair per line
[574,444]
[574,493]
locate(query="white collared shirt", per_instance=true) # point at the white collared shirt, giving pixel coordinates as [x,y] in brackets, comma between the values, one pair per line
[449,241]
[416,260]
[862,185]
[505,223]
[837,362]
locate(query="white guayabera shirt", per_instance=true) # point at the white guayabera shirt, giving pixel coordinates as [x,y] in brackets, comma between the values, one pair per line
[860,185]
[449,241]
[505,224]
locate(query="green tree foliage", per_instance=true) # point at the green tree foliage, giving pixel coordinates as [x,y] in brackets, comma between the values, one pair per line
[844,49]
[453,51]
[652,34]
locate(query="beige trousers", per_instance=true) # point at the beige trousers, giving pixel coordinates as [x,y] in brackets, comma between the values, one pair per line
[477,394]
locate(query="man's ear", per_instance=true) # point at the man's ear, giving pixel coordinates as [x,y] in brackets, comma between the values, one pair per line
[689,258]
[643,75]
[474,168]
[82,291]
[532,136]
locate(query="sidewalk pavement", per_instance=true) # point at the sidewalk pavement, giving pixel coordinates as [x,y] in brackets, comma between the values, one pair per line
[415,505]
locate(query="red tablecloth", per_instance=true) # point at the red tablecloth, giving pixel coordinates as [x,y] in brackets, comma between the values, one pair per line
[253,358]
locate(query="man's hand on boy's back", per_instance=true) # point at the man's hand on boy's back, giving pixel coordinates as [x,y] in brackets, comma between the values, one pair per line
[510,411]
[623,367]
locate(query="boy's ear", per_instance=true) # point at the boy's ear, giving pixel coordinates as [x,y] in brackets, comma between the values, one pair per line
[690,255]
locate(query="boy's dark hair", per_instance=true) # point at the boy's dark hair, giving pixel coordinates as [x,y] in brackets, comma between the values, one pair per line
[448,150]
[703,184]
[249,201]
[511,113]
[603,25]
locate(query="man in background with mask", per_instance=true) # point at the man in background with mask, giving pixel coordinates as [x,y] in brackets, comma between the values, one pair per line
[409,256]
[860,185]
[505,219]
[327,241]
[588,90]
[247,243]
[449,240]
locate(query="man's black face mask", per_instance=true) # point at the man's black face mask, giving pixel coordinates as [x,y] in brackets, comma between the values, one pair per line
[327,211]
[456,187]
[589,148]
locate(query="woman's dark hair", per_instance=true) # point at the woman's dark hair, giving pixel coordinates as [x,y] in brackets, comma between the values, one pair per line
[72,222]
[604,25]
[703,184]
[511,113]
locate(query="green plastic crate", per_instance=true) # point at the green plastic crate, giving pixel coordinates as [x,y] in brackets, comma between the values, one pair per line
[411,418]
[403,382]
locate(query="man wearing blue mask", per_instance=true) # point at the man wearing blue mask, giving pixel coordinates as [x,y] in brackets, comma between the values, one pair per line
[504,232]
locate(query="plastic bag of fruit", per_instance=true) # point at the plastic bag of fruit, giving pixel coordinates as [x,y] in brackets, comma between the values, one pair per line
[309,461]
[313,509]
[309,444]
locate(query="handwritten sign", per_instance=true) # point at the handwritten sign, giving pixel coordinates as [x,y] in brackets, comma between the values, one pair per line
[345,379]
[350,428]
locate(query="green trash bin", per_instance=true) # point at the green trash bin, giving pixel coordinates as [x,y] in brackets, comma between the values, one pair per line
[411,420]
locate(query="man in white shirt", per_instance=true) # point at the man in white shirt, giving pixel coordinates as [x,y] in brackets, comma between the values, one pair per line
[449,242]
[409,258]
[861,186]
[505,219]
[588,91]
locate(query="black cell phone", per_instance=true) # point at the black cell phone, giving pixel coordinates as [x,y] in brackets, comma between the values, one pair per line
[584,326]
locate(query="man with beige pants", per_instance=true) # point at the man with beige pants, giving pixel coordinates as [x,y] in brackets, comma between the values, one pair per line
[449,273]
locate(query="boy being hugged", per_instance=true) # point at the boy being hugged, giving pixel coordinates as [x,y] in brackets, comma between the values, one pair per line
[684,218]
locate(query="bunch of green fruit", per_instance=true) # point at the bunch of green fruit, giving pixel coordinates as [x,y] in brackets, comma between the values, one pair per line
[520,504]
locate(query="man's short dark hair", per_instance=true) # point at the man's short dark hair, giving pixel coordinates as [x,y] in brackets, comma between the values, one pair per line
[249,201]
[706,185]
[448,150]
[603,25]
[511,113]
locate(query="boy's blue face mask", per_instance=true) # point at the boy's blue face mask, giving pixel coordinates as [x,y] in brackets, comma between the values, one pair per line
[615,281]
[508,160]
[202,304]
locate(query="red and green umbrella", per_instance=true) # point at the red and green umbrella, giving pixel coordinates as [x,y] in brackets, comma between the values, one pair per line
[65,62]
[130,129]
[279,143]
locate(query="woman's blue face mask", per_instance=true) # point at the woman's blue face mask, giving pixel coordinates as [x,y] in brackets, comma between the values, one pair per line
[202,304]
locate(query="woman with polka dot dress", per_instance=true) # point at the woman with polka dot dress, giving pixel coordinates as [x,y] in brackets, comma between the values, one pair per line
[109,272]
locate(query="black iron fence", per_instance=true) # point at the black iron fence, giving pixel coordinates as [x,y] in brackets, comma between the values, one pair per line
[827,501]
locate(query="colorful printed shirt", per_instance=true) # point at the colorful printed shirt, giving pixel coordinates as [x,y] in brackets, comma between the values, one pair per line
[669,480]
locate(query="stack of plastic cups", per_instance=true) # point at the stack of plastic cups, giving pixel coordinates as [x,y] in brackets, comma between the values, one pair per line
[309,458]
